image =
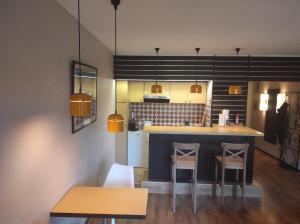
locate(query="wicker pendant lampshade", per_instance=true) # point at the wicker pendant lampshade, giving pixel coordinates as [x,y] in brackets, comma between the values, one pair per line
[234,89]
[196,88]
[115,122]
[156,88]
[80,103]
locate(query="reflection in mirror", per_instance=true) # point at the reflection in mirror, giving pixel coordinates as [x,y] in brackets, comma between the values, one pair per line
[89,86]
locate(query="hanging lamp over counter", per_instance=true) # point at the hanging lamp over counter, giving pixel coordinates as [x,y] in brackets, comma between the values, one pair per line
[115,122]
[80,103]
[156,88]
[235,89]
[196,88]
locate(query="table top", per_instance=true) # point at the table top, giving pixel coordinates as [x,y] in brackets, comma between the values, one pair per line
[215,130]
[100,202]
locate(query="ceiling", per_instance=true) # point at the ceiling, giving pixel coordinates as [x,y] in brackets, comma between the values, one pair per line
[259,27]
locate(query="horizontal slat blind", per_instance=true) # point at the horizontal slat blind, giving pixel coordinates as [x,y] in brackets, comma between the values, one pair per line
[188,67]
[228,70]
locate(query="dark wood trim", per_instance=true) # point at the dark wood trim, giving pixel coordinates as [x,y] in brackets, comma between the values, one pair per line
[85,215]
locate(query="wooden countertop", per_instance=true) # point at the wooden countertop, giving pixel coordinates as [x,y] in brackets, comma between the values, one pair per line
[100,202]
[215,130]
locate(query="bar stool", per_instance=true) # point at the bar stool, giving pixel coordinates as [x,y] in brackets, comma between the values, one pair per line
[234,157]
[185,157]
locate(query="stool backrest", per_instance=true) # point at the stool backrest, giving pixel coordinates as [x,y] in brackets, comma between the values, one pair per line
[235,150]
[186,150]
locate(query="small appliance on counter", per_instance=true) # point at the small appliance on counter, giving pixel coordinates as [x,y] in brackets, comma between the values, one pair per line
[132,124]
[148,123]
[187,123]
[223,117]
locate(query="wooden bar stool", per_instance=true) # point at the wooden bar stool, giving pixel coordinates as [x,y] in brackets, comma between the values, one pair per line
[234,157]
[185,157]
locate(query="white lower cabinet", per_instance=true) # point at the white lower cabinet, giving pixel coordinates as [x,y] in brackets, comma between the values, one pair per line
[138,149]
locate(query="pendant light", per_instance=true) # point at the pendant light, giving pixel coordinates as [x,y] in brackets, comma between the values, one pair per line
[80,103]
[115,121]
[156,88]
[196,88]
[234,89]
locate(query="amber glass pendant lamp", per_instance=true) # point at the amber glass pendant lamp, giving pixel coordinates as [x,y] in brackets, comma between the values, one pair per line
[156,88]
[80,103]
[196,88]
[115,122]
[235,89]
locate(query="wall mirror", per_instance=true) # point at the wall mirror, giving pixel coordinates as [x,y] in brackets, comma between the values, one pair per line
[89,86]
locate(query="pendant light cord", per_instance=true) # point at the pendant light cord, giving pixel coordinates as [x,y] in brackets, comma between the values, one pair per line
[248,69]
[115,31]
[156,49]
[115,7]
[197,74]
[79,45]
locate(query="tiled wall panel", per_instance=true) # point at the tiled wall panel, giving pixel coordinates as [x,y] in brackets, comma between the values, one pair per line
[172,114]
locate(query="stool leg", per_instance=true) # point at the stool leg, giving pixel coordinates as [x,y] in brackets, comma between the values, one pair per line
[243,190]
[174,187]
[222,187]
[237,181]
[192,185]
[195,191]
[216,179]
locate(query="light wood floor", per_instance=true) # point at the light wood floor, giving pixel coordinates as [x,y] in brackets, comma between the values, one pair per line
[280,202]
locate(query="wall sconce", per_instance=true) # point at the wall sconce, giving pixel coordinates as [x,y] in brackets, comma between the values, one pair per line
[281,98]
[263,102]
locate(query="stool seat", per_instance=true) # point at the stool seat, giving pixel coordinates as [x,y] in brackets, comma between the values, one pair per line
[185,162]
[231,163]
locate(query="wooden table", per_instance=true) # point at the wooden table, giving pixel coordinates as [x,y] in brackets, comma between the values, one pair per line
[100,202]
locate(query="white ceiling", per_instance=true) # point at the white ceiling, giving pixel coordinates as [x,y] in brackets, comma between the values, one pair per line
[259,27]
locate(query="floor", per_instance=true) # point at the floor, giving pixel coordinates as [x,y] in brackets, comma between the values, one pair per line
[280,203]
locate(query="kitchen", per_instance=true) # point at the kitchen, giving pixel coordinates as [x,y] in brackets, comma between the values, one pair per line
[174,107]
[231,91]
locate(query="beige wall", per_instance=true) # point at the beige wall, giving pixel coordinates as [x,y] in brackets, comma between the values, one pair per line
[256,118]
[39,157]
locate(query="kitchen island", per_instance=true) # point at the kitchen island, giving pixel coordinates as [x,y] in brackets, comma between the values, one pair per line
[161,140]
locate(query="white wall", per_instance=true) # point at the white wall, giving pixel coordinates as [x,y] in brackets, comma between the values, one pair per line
[256,118]
[39,157]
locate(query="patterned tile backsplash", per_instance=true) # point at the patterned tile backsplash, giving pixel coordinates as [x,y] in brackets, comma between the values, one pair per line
[172,114]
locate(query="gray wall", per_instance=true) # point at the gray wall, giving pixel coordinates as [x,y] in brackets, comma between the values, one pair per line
[39,157]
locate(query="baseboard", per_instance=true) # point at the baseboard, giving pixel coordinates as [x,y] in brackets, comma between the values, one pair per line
[253,190]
